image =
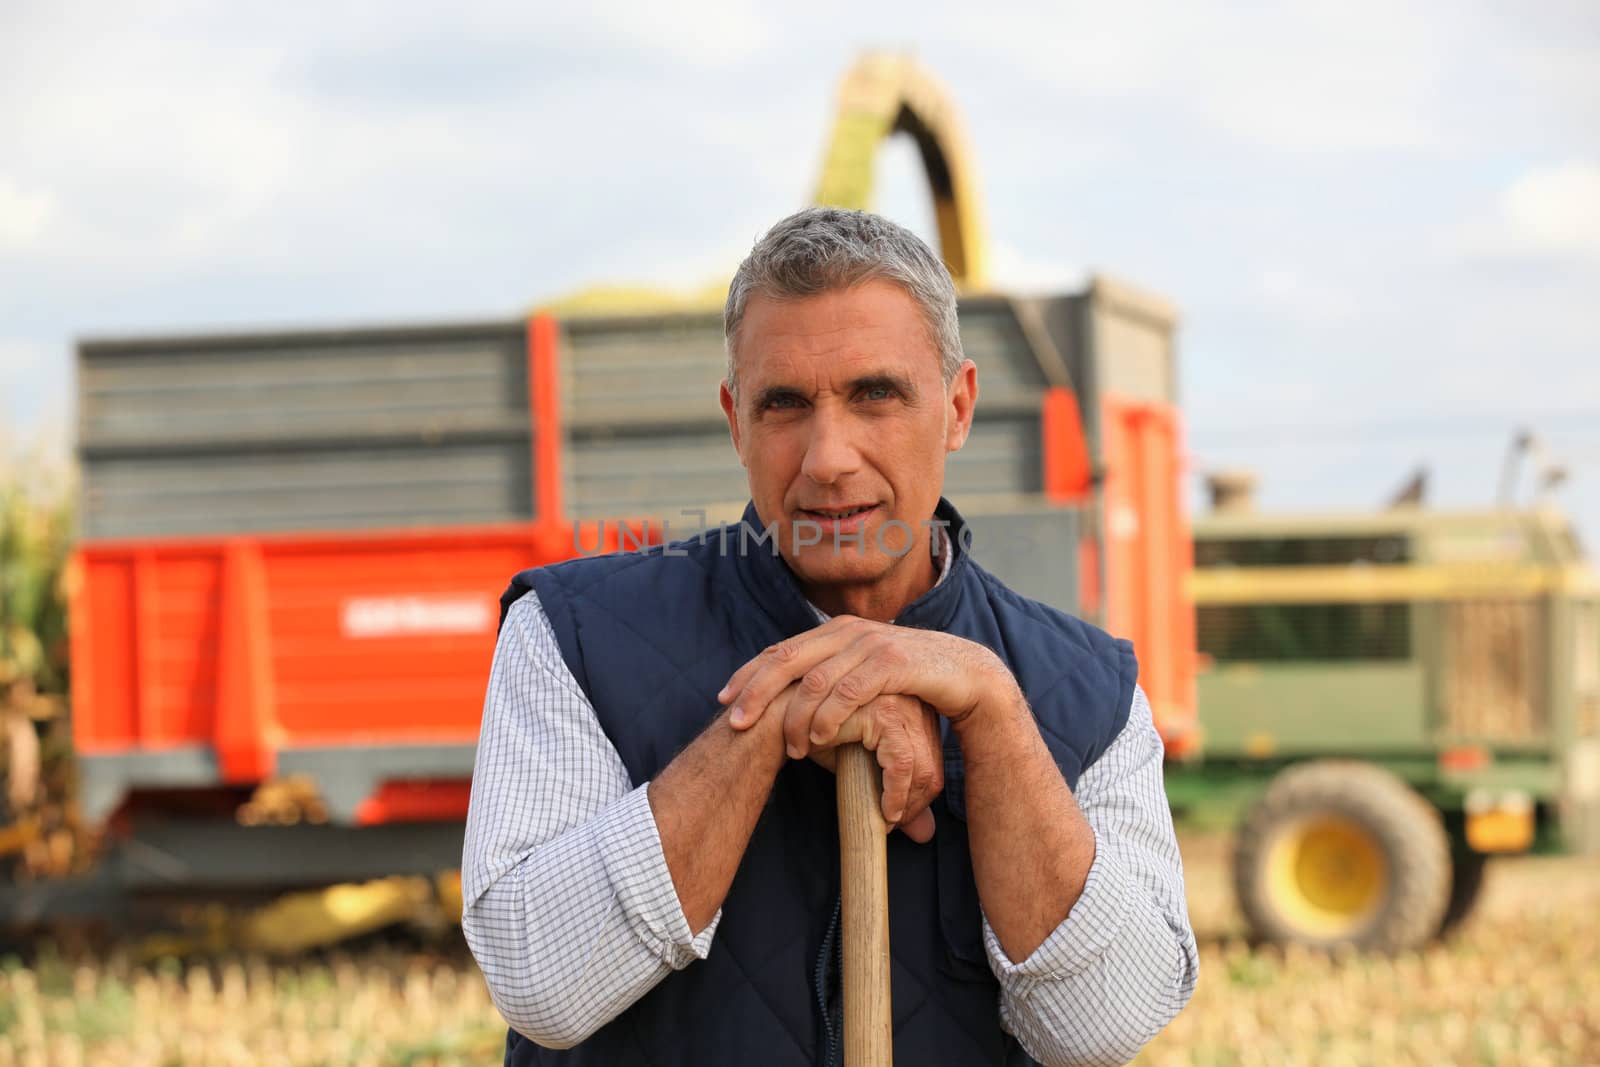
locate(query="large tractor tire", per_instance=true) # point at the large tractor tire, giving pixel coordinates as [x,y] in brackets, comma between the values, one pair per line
[1343,853]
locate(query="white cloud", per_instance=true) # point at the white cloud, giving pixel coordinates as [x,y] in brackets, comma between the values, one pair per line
[1278,170]
[1549,214]
[18,359]
[1017,271]
[1305,78]
[1556,209]
[1316,78]
[24,215]
[1307,300]
[199,137]
[707,33]
[35,399]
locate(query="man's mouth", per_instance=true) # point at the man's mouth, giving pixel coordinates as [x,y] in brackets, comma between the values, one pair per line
[836,521]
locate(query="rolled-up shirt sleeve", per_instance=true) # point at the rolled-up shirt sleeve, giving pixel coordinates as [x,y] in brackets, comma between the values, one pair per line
[568,905]
[1123,963]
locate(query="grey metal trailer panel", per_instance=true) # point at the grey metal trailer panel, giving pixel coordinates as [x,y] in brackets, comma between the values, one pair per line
[370,429]
[336,429]
[253,388]
[330,487]
[1033,550]
[646,437]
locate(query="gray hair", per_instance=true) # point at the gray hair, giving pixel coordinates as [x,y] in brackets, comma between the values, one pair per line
[825,249]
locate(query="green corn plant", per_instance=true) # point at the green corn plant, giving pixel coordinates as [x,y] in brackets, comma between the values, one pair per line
[35,537]
[37,522]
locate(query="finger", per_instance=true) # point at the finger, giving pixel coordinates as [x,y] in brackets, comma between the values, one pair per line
[816,687]
[855,689]
[779,666]
[818,682]
[741,677]
[927,779]
[919,827]
[862,727]
[921,727]
[850,732]
[795,729]
[767,671]
[858,728]
[898,763]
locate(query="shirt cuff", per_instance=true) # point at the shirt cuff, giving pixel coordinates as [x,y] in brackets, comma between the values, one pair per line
[637,867]
[1081,939]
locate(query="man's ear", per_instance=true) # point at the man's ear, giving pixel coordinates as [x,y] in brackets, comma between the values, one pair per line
[962,397]
[730,408]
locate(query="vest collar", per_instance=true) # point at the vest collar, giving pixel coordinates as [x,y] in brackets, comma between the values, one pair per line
[770,582]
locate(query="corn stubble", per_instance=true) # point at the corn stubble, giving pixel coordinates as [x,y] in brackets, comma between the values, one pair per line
[1514,987]
[384,1006]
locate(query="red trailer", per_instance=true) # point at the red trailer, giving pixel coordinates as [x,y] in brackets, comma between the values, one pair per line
[294,543]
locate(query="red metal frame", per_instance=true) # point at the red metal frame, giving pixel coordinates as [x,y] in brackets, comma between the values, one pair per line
[1068,478]
[428,800]
[244,644]
[245,728]
[1090,603]
[544,411]
[1149,552]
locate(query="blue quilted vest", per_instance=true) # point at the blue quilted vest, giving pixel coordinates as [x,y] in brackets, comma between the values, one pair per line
[651,636]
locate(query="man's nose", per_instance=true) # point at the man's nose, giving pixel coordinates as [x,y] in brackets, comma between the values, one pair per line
[831,452]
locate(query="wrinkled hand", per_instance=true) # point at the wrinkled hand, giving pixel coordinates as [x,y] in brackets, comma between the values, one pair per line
[903,733]
[848,662]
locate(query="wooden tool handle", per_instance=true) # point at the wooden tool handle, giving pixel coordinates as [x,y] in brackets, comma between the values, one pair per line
[863,866]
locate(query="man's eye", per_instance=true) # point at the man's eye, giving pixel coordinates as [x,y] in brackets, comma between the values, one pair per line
[879,392]
[783,402]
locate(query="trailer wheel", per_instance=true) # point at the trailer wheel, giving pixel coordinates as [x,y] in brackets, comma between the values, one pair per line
[1339,853]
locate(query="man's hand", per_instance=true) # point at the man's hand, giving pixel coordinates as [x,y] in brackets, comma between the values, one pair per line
[903,733]
[848,662]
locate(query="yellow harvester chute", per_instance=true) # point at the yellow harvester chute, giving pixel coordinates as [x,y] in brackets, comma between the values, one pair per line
[884,94]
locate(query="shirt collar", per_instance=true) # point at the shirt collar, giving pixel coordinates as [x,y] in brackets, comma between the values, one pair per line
[945,556]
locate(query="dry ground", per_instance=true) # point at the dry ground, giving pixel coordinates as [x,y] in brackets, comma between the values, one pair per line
[1520,985]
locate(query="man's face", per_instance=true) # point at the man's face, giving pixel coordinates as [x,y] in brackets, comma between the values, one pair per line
[843,421]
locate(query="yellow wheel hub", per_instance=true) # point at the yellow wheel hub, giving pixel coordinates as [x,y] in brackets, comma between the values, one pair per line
[1327,876]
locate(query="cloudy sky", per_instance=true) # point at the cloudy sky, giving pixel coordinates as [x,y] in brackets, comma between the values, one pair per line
[1381,221]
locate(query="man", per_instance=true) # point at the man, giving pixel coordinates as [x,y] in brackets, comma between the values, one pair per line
[651,865]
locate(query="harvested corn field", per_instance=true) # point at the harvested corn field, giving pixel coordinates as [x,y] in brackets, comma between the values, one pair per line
[1515,987]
